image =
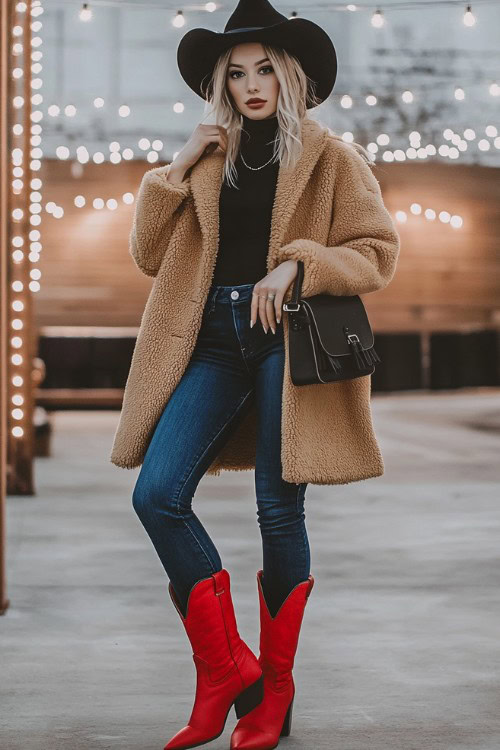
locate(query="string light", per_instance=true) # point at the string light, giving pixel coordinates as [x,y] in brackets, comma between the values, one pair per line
[85,13]
[469,19]
[320,7]
[179,20]
[378,19]
[111,203]
[454,220]
[24,165]
[414,151]
[347,101]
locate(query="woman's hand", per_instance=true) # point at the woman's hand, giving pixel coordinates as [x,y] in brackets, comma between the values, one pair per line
[203,140]
[277,283]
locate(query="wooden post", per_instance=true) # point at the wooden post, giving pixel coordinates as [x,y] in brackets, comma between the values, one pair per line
[16,319]
[5,25]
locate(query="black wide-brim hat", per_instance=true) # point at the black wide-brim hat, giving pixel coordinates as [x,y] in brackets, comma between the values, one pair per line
[258,21]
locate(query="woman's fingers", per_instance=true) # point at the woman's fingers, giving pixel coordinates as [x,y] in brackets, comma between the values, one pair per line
[263,309]
[276,283]
[278,303]
[258,309]
[268,310]
[254,308]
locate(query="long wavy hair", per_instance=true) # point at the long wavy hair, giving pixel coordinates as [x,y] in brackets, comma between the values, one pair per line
[297,92]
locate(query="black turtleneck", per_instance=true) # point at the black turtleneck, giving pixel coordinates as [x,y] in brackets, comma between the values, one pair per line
[245,213]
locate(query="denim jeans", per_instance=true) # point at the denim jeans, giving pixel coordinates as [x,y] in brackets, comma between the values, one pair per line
[231,364]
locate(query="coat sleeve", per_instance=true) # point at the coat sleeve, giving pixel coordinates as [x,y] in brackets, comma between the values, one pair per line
[155,217]
[363,244]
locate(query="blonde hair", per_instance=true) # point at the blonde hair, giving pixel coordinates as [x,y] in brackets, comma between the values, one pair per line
[297,92]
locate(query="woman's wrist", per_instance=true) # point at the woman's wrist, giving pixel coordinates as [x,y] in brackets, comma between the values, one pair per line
[291,261]
[176,174]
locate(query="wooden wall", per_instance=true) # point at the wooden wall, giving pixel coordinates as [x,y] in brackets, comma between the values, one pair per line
[447,279]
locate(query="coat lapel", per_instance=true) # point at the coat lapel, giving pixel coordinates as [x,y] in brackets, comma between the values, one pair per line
[206,182]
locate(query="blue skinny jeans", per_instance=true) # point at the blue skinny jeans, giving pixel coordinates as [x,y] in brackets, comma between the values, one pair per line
[231,364]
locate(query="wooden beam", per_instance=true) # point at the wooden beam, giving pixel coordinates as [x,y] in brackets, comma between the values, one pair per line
[5,167]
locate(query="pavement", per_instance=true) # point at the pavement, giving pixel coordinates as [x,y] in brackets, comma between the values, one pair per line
[400,643]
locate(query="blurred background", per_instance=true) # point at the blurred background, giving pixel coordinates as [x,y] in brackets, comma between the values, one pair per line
[418,85]
[92,98]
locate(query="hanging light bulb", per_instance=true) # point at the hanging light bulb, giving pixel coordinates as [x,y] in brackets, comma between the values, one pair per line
[469,18]
[178,20]
[378,19]
[85,13]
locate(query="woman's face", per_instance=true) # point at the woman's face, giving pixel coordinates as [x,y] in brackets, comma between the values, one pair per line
[250,75]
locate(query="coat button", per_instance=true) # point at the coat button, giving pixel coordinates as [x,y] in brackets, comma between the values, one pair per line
[235,294]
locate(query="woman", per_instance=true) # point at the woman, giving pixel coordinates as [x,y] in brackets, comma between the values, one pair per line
[280,172]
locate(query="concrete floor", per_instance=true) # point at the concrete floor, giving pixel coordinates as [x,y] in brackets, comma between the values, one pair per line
[400,645]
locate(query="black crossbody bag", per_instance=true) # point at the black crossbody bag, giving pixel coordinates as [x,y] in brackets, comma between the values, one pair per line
[329,337]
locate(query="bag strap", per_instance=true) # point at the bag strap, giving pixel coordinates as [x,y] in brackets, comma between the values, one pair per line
[297,284]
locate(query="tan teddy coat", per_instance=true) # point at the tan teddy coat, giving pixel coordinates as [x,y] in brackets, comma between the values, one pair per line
[328,211]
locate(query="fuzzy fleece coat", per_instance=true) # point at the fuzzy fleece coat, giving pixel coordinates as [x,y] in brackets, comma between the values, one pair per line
[328,211]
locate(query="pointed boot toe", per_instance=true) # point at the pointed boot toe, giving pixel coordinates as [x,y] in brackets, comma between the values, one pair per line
[251,738]
[188,736]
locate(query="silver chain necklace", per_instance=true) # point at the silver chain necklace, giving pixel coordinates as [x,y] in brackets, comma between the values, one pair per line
[255,169]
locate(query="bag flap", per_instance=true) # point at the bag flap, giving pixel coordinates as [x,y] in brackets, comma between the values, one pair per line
[329,314]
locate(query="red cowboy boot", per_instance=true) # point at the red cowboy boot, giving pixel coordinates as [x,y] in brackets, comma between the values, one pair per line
[227,670]
[271,719]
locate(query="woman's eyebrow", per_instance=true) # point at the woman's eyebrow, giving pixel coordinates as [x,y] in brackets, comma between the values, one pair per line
[265,59]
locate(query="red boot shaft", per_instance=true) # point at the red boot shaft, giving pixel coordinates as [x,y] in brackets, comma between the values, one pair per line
[262,727]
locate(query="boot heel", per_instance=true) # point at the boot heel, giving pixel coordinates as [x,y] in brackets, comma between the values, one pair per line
[249,698]
[287,723]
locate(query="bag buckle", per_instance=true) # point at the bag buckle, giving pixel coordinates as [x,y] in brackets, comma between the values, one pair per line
[353,336]
[291,306]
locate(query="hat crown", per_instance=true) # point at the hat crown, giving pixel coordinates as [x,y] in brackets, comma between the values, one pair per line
[253,14]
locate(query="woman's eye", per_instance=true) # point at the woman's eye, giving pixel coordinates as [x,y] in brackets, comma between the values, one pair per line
[266,67]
